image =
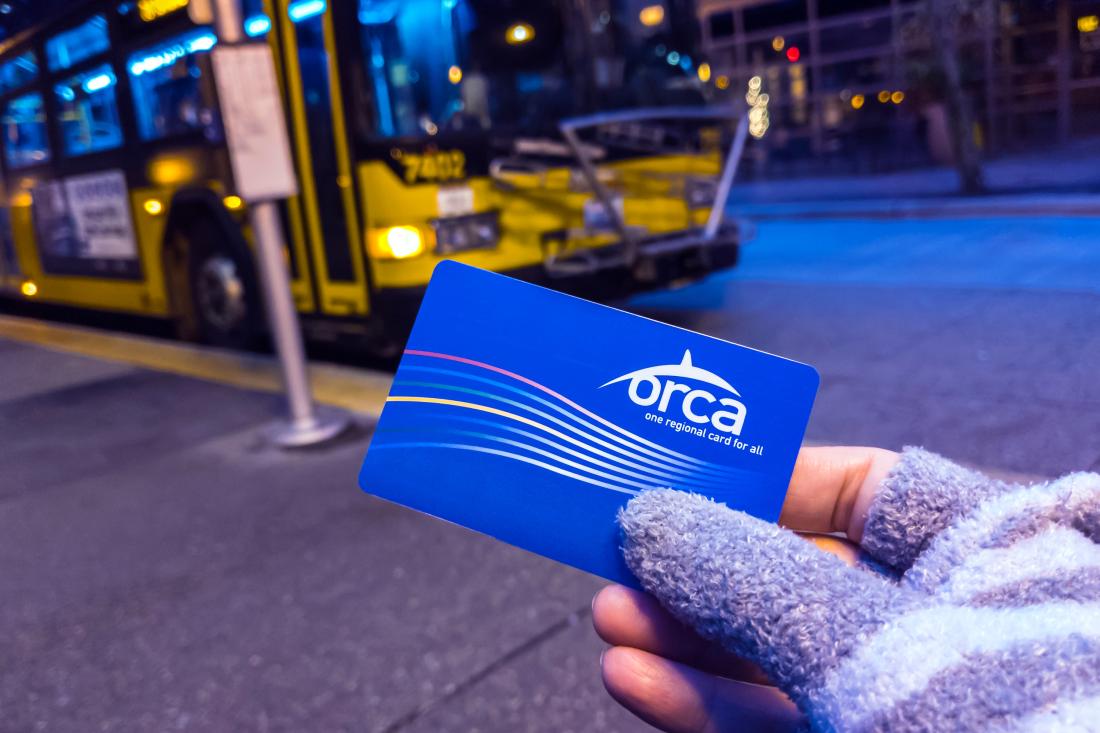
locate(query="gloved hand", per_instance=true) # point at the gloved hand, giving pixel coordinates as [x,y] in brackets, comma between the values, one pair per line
[988,619]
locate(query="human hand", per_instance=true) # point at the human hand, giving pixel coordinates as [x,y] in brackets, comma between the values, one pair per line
[992,623]
[669,676]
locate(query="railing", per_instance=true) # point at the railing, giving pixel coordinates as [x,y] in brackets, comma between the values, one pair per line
[1005,94]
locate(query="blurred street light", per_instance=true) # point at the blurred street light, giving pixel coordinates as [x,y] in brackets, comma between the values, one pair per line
[652,15]
[758,107]
[518,33]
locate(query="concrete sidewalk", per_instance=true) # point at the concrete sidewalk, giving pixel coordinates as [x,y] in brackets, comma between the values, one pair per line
[1060,181]
[940,207]
[163,570]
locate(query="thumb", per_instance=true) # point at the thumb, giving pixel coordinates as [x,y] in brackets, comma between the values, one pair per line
[760,591]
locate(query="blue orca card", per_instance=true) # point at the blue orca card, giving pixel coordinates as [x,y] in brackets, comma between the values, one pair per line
[533,416]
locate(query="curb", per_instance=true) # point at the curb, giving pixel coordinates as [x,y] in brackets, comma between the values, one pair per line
[362,391]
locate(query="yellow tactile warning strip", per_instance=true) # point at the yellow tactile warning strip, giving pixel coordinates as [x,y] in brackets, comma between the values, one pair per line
[360,390]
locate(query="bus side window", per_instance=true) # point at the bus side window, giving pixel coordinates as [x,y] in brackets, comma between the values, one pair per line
[24,123]
[9,262]
[88,115]
[17,71]
[256,22]
[168,98]
[77,44]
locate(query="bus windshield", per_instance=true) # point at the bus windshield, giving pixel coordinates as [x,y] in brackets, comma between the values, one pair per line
[457,65]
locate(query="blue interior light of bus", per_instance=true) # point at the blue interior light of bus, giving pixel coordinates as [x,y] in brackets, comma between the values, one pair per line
[76,44]
[168,55]
[305,9]
[27,62]
[205,42]
[97,82]
[377,13]
[257,25]
[65,92]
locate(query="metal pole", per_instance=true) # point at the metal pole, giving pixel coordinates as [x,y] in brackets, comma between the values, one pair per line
[817,141]
[305,426]
[605,198]
[725,183]
[990,25]
[1064,20]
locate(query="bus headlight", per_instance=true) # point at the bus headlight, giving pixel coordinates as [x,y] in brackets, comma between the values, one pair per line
[398,243]
[462,233]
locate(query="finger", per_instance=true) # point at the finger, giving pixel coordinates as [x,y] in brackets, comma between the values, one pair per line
[626,617]
[848,552]
[630,618]
[831,488]
[680,699]
[760,591]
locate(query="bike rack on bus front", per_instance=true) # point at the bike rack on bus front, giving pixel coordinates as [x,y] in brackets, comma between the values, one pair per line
[569,128]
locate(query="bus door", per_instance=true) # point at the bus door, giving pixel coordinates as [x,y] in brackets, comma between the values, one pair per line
[327,223]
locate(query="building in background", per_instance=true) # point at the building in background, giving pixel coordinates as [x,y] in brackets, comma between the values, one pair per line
[852,85]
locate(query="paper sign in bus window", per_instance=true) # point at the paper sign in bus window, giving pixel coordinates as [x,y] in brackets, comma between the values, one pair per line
[84,217]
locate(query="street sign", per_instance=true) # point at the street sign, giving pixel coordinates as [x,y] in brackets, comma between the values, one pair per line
[255,131]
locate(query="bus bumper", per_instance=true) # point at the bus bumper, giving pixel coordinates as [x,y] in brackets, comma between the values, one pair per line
[651,262]
[603,273]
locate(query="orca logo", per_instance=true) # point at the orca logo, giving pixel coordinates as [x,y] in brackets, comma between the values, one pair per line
[657,385]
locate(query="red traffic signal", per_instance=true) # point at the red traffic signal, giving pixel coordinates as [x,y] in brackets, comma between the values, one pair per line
[793,54]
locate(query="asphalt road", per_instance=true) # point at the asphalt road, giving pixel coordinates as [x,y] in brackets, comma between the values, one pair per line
[977,338]
[162,570]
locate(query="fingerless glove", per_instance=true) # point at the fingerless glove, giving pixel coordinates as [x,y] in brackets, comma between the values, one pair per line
[989,619]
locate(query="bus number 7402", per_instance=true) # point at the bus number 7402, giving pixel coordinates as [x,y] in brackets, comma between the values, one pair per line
[444,165]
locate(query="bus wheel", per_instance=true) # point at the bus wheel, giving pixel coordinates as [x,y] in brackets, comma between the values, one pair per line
[224,291]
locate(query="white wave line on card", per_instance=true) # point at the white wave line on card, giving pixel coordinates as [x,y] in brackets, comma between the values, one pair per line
[552,393]
[690,464]
[524,420]
[632,469]
[512,456]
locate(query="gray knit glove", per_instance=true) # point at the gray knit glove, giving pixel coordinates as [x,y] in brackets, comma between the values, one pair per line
[992,625]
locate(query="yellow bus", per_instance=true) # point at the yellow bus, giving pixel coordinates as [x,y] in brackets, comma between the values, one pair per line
[563,142]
